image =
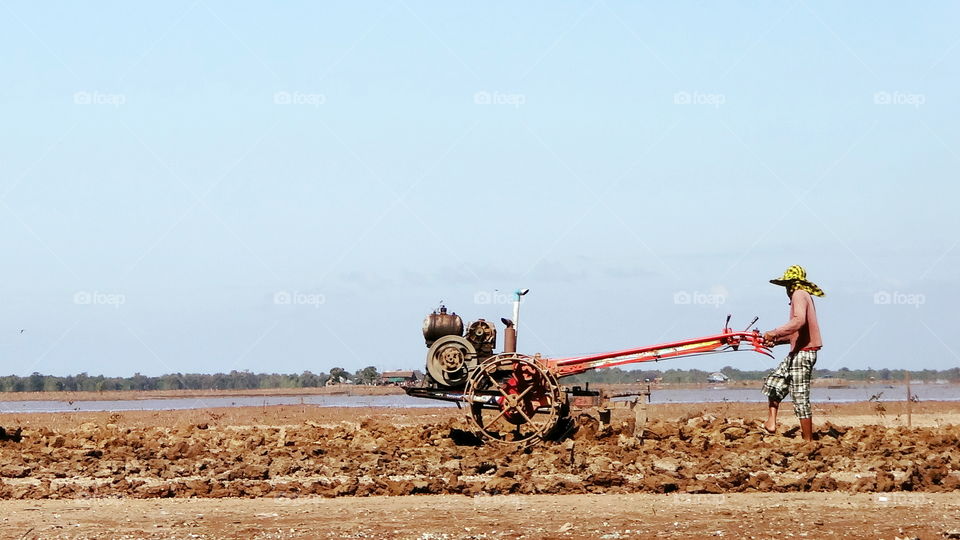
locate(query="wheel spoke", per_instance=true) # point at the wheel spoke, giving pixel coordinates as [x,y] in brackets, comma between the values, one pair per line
[496,384]
[529,420]
[497,417]
[520,396]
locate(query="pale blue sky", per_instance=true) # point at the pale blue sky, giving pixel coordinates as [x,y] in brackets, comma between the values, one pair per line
[170,171]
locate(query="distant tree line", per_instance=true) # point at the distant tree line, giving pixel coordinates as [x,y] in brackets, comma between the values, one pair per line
[246,380]
[235,380]
[618,375]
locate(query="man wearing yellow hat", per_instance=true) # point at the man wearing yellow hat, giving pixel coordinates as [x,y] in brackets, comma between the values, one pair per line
[802,332]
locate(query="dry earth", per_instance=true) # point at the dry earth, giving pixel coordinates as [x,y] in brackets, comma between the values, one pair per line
[449,517]
[301,472]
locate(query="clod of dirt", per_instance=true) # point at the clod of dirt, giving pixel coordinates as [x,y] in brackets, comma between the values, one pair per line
[660,484]
[501,486]
[14,471]
[606,479]
[15,436]
[885,482]
[585,427]
[464,438]
[823,483]
[831,430]
[666,465]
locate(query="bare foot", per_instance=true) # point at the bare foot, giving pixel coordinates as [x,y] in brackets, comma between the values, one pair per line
[771,427]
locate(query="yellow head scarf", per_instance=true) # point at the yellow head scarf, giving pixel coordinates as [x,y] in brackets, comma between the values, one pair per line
[795,278]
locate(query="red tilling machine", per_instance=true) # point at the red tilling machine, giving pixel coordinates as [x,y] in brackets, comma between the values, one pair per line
[517,398]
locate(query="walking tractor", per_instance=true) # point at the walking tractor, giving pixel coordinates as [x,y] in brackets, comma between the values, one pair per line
[517,398]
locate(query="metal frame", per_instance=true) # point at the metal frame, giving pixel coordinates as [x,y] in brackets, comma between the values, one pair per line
[727,341]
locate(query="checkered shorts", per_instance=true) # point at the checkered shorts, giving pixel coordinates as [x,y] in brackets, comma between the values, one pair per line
[793,375]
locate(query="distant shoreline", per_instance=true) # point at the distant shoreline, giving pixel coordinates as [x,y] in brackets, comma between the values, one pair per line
[117,395]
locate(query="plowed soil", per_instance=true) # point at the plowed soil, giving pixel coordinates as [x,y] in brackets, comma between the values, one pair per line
[696,462]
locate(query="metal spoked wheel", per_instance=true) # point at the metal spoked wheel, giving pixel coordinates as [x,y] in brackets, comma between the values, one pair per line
[512,399]
[450,359]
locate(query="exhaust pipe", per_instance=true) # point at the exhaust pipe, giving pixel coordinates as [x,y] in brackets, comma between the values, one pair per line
[509,337]
[510,334]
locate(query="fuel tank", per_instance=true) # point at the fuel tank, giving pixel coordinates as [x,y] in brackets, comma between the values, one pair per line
[439,324]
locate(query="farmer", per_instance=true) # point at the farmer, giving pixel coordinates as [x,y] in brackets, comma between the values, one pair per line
[803,334]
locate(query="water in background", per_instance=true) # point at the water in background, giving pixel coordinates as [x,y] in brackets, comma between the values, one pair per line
[894,392]
[173,404]
[923,392]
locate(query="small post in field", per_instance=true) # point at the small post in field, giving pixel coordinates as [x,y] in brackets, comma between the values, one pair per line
[909,400]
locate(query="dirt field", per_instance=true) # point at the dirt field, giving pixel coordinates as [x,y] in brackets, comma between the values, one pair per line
[302,471]
[441,517]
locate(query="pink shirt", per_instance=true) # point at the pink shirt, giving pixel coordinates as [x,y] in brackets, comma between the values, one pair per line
[802,329]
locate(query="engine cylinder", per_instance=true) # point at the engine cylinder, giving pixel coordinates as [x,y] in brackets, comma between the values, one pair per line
[483,335]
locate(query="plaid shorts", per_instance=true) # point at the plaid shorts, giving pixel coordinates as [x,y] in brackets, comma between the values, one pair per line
[793,375]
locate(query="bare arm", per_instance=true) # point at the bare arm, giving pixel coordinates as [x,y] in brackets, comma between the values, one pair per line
[772,339]
[798,315]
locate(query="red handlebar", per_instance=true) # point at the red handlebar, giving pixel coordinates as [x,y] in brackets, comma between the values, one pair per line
[729,340]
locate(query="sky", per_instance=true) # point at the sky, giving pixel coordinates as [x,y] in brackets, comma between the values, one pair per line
[205,186]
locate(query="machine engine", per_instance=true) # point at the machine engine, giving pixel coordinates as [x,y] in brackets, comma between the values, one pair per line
[451,355]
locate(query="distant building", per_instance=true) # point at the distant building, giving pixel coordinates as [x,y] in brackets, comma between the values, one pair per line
[717,377]
[399,378]
[333,381]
